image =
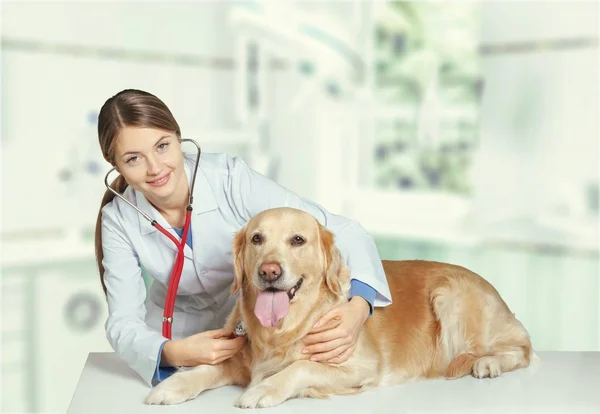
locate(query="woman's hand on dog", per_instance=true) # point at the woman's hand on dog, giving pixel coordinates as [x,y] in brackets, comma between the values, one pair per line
[205,348]
[334,336]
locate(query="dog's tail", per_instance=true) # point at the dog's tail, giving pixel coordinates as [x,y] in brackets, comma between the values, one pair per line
[461,365]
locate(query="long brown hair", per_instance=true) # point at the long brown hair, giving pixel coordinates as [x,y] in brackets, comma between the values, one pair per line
[128,108]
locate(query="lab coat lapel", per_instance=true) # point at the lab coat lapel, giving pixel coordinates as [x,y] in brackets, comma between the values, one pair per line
[206,233]
[204,198]
[204,201]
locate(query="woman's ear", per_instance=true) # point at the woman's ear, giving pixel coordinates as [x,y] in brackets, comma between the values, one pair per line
[239,245]
[332,262]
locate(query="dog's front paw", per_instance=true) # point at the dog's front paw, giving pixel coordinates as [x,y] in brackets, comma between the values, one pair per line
[173,390]
[260,396]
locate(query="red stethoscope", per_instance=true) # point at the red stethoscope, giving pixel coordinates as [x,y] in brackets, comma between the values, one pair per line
[167,320]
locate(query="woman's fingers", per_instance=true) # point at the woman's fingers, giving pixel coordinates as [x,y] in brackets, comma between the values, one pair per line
[219,333]
[326,336]
[334,353]
[222,359]
[225,353]
[326,325]
[231,344]
[324,346]
[343,357]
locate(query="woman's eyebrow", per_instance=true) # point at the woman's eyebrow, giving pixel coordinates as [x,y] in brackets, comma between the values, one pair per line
[137,152]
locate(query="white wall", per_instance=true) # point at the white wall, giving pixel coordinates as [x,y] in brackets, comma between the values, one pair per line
[538,150]
[49,97]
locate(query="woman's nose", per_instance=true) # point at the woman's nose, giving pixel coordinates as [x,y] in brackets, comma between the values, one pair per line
[153,166]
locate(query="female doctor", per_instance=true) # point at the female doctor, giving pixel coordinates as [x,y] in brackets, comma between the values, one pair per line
[141,138]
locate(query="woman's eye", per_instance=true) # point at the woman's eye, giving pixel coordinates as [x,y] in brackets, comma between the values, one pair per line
[298,240]
[163,146]
[256,238]
[132,159]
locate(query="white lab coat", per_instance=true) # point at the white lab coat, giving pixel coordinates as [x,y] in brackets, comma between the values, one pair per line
[227,193]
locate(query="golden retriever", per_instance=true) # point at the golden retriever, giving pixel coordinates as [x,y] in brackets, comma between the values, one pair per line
[445,321]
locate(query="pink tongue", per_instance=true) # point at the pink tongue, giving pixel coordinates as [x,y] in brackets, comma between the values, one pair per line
[271,307]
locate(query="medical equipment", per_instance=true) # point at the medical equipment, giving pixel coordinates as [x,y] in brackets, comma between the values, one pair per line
[167,319]
[240,330]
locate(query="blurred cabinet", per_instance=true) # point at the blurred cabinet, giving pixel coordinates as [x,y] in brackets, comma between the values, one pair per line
[16,347]
[71,311]
[52,317]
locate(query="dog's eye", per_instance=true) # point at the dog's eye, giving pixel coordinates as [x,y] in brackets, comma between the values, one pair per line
[257,238]
[298,240]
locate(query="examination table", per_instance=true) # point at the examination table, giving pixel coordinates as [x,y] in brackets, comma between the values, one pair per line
[561,382]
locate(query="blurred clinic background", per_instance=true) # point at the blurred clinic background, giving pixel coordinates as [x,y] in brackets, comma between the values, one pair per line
[464,132]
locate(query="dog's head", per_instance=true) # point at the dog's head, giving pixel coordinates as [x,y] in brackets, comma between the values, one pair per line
[285,263]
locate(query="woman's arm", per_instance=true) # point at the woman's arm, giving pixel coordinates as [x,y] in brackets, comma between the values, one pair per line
[205,348]
[126,329]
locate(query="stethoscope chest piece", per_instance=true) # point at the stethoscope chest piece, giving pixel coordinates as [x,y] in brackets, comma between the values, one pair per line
[240,329]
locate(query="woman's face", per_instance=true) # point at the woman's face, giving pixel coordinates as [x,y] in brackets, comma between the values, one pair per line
[150,160]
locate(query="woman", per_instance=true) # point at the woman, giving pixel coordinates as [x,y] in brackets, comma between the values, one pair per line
[141,138]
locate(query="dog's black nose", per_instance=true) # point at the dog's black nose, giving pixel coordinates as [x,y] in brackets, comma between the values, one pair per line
[270,271]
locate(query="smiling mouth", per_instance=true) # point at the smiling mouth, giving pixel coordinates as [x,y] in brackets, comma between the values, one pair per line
[291,292]
[160,181]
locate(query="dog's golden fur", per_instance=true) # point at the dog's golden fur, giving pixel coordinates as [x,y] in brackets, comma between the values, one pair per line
[445,321]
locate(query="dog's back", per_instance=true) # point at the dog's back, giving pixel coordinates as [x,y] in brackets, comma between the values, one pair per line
[444,321]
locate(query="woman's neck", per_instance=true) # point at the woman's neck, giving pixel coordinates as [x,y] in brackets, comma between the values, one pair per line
[173,208]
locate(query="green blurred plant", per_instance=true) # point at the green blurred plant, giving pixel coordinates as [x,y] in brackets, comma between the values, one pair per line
[426,60]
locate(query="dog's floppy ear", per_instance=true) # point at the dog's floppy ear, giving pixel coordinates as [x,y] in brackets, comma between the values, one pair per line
[239,245]
[333,260]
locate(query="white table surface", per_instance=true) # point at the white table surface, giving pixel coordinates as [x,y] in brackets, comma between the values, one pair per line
[562,382]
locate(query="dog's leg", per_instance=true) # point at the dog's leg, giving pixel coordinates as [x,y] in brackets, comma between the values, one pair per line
[186,385]
[503,359]
[302,378]
[479,335]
